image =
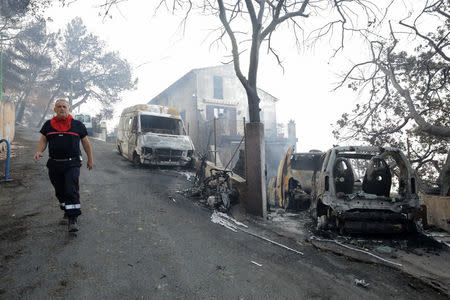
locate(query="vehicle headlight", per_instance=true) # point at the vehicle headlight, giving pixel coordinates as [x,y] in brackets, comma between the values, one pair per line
[147,151]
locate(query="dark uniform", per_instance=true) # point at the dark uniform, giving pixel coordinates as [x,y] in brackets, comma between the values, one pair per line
[64,164]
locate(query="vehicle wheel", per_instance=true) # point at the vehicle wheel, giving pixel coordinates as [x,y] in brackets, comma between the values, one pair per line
[136,159]
[412,228]
[189,165]
[340,226]
[322,222]
[287,201]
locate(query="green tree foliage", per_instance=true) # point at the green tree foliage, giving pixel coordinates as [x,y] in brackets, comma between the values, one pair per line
[14,12]
[408,98]
[86,72]
[27,64]
[12,8]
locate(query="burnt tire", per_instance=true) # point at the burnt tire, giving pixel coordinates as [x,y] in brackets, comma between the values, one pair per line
[287,203]
[136,159]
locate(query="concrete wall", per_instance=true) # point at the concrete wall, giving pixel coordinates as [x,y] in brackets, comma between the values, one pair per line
[182,96]
[7,120]
[438,211]
[234,95]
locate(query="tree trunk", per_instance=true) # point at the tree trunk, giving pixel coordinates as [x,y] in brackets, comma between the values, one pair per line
[420,121]
[444,177]
[46,110]
[253,107]
[20,112]
[72,107]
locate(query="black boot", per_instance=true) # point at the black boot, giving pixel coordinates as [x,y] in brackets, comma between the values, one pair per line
[64,219]
[73,224]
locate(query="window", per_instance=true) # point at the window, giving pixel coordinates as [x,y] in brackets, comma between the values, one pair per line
[218,87]
[156,124]
[134,126]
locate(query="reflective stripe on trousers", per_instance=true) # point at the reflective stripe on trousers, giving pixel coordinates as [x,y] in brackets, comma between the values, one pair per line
[73,206]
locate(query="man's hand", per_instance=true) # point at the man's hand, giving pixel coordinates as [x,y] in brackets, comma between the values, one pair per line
[90,165]
[37,156]
[88,149]
[42,144]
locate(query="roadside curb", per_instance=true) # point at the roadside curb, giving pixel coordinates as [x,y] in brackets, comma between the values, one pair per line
[364,256]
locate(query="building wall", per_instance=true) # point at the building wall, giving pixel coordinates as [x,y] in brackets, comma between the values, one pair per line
[193,95]
[234,95]
[268,113]
[231,102]
[438,211]
[182,96]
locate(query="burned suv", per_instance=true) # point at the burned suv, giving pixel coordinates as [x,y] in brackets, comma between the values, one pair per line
[364,189]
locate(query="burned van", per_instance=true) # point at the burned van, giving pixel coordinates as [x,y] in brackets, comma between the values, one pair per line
[365,189]
[154,135]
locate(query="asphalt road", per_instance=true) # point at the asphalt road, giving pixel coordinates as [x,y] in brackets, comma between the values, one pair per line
[141,239]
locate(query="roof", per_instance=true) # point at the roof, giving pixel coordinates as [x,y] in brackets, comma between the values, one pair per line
[154,109]
[194,71]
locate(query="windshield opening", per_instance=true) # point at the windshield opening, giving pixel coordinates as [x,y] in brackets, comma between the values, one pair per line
[382,175]
[158,124]
[83,118]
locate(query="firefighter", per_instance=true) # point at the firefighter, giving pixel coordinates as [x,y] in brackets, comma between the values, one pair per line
[63,135]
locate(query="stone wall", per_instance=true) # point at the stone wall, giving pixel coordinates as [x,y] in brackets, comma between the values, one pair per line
[438,211]
[7,120]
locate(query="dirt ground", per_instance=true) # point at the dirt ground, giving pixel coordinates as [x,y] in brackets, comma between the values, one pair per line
[415,254]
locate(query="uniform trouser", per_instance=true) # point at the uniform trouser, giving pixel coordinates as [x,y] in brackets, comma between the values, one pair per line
[65,181]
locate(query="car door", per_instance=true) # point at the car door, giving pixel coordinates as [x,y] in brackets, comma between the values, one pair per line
[132,138]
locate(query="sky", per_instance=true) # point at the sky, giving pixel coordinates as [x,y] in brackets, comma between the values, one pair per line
[160,53]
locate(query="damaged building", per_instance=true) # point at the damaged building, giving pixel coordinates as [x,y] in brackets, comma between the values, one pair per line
[213,105]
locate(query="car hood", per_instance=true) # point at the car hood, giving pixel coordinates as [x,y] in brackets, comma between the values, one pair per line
[157,140]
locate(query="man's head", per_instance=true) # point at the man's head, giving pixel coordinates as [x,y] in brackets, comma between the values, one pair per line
[62,108]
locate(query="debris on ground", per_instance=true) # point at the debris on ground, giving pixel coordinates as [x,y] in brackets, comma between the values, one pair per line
[361,282]
[214,190]
[255,263]
[383,249]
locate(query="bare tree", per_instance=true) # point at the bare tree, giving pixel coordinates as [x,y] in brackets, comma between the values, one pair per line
[408,105]
[250,24]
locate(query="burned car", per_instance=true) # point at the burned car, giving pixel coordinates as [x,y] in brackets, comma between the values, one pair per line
[354,189]
[154,135]
[365,189]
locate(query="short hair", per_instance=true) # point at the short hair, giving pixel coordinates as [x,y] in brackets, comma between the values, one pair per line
[62,99]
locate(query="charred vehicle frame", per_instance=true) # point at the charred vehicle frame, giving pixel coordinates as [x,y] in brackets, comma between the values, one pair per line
[354,189]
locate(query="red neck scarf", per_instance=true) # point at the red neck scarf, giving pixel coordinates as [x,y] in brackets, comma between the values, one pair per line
[61,124]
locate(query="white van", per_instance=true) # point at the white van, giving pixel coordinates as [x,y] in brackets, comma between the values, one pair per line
[87,121]
[154,135]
